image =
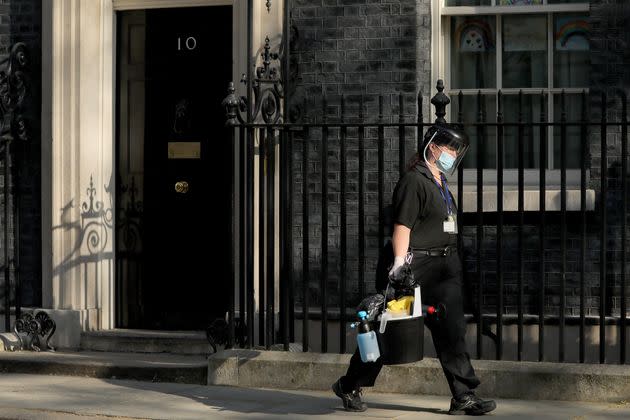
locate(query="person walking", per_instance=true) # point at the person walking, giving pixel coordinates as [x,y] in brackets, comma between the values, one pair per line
[425,225]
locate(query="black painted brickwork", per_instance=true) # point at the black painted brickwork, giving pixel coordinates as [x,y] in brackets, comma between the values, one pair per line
[361,49]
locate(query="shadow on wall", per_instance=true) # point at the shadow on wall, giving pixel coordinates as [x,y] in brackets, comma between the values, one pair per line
[90,236]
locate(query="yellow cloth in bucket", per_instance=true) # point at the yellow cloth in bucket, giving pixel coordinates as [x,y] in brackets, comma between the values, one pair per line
[401,306]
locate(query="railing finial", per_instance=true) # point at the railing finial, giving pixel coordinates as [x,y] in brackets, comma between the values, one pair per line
[230,103]
[440,101]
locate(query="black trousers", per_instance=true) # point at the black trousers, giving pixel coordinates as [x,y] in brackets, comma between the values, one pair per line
[440,282]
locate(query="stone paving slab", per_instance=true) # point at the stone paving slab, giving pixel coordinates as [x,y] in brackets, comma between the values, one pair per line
[24,396]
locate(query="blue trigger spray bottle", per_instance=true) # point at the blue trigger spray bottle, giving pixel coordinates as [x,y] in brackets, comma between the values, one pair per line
[366,339]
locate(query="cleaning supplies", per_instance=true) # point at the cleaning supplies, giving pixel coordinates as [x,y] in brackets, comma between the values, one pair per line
[412,303]
[401,338]
[400,307]
[366,339]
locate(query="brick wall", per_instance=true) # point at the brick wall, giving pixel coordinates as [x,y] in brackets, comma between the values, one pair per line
[610,65]
[362,49]
[532,279]
[20,21]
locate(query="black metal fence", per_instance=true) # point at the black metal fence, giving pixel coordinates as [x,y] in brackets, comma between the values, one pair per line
[15,131]
[284,193]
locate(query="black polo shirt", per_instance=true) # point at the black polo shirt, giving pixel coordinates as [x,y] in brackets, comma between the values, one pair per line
[419,205]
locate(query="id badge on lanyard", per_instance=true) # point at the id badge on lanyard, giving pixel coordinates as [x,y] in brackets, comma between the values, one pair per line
[450,223]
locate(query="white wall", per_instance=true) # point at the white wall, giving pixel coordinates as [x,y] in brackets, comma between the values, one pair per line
[82,160]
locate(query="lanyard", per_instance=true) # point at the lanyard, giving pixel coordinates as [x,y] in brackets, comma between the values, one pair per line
[446,197]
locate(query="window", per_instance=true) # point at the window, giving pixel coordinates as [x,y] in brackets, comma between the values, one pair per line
[537,47]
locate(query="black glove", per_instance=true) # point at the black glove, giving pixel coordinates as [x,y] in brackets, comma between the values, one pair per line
[403,281]
[373,305]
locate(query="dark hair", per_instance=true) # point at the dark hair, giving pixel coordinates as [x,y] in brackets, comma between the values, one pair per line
[414,161]
[418,157]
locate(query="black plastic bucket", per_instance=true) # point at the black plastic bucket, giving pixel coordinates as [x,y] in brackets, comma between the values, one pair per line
[402,341]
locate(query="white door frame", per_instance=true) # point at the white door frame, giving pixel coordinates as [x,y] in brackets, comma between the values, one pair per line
[78,134]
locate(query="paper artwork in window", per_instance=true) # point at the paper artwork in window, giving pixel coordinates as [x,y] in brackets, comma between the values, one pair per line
[474,35]
[473,52]
[571,34]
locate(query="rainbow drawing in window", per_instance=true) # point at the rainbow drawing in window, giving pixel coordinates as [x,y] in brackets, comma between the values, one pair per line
[571,33]
[474,35]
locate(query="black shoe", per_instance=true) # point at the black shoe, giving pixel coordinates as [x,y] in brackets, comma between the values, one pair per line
[472,405]
[351,400]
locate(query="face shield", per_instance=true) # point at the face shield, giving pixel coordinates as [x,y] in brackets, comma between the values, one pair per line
[450,147]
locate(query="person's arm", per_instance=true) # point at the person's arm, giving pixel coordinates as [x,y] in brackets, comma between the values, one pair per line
[406,202]
[400,240]
[400,243]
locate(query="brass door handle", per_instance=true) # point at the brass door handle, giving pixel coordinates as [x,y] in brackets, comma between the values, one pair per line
[181,187]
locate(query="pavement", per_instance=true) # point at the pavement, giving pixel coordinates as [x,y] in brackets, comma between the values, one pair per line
[46,397]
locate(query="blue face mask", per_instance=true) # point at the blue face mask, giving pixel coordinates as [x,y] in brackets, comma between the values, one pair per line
[445,162]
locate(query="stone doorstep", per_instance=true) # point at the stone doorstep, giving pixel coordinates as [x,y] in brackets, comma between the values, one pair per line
[499,379]
[146,341]
[138,366]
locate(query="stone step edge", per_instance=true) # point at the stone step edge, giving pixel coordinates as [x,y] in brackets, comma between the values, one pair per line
[185,344]
[499,379]
[148,334]
[48,364]
[133,345]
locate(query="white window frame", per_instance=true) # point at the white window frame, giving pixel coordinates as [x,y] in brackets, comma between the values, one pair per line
[440,69]
[441,30]
[495,9]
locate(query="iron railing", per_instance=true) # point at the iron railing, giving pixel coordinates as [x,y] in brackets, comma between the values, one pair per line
[326,157]
[14,132]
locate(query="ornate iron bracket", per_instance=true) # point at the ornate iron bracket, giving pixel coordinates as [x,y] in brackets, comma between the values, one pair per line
[13,89]
[217,333]
[267,90]
[37,327]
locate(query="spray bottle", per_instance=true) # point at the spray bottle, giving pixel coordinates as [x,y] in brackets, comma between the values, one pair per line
[366,339]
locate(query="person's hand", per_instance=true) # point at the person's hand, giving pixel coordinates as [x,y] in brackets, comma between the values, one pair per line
[398,263]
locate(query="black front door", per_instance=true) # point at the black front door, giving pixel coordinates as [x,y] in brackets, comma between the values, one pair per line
[185,209]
